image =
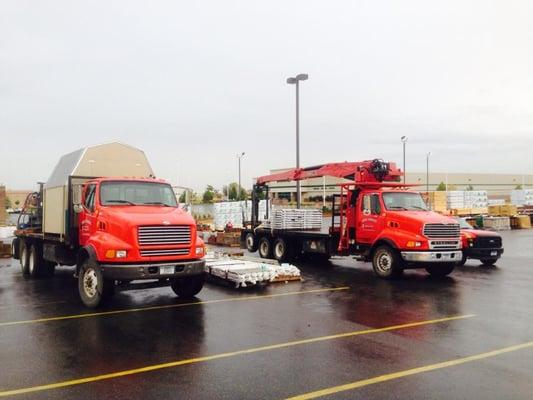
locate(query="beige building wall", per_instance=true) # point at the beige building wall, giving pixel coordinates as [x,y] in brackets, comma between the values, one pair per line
[20,195]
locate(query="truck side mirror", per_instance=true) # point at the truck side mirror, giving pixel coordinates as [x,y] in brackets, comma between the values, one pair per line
[76,196]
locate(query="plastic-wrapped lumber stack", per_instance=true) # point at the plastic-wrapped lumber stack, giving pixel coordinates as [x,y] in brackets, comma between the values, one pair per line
[497,223]
[296,219]
[504,210]
[522,197]
[476,199]
[233,211]
[455,199]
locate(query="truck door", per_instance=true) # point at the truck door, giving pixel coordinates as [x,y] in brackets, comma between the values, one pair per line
[370,219]
[87,218]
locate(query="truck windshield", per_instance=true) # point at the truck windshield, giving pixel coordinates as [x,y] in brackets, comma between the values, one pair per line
[403,201]
[136,193]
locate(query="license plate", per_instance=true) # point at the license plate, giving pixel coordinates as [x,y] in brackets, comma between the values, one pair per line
[166,270]
[493,253]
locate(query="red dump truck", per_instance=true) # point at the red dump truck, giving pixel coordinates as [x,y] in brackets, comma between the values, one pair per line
[103,212]
[374,218]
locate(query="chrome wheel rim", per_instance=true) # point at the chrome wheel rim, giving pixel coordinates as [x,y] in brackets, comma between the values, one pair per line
[23,255]
[90,281]
[280,250]
[384,262]
[250,241]
[264,248]
[31,262]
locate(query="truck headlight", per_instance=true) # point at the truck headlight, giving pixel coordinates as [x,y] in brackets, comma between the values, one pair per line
[116,253]
[414,244]
[200,251]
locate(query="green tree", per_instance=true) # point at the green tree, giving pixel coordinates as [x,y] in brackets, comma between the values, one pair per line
[469,188]
[441,187]
[17,202]
[209,194]
[8,202]
[233,192]
[518,187]
[183,197]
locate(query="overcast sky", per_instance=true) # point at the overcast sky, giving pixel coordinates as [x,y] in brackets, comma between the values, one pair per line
[195,82]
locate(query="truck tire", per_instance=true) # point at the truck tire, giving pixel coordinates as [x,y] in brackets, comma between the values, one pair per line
[282,250]
[488,262]
[440,270]
[251,242]
[15,249]
[35,261]
[265,248]
[94,290]
[463,260]
[387,263]
[188,287]
[24,257]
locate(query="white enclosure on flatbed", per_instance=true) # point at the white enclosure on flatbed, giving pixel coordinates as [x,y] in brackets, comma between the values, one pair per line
[104,160]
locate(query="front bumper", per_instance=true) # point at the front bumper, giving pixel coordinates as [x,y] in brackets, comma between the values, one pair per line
[479,253]
[130,272]
[432,256]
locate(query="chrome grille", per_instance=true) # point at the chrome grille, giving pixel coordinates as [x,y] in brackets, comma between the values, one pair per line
[164,252]
[164,235]
[440,231]
[444,244]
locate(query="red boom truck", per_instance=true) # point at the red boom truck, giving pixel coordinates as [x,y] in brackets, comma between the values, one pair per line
[374,218]
[103,212]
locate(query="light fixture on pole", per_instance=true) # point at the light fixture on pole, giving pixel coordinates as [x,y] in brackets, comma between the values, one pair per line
[296,81]
[239,156]
[404,140]
[427,171]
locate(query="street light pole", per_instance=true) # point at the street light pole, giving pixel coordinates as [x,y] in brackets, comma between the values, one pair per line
[404,140]
[239,156]
[427,171]
[296,81]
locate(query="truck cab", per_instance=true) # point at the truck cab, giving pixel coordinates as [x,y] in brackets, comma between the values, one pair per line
[395,229]
[133,229]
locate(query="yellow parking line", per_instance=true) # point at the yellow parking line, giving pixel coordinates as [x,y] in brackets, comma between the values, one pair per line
[130,310]
[222,355]
[413,371]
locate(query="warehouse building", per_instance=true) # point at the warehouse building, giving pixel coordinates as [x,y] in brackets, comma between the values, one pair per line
[498,185]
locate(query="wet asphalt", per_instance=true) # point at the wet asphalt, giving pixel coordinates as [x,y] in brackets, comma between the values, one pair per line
[41,351]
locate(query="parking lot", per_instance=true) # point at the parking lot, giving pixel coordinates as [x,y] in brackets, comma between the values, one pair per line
[340,333]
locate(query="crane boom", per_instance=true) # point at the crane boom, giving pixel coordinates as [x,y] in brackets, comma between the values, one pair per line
[358,171]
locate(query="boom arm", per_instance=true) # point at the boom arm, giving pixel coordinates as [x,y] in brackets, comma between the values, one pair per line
[358,171]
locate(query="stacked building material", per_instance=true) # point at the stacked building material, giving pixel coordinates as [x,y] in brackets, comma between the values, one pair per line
[232,212]
[297,219]
[244,273]
[497,223]
[468,199]
[437,201]
[520,222]
[522,197]
[505,210]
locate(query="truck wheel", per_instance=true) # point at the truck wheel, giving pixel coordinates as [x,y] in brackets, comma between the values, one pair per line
[387,263]
[265,248]
[188,287]
[15,248]
[24,257]
[488,262]
[463,260]
[440,270]
[35,261]
[94,290]
[251,242]
[282,250]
